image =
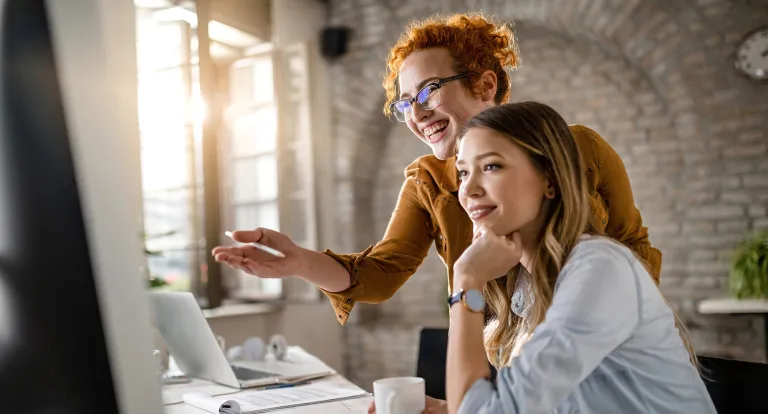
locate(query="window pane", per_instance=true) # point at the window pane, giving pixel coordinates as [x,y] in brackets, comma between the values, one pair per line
[174,267]
[252,287]
[241,86]
[166,212]
[248,283]
[261,215]
[255,179]
[272,287]
[254,133]
[172,219]
[162,100]
[158,44]
[263,84]
[165,162]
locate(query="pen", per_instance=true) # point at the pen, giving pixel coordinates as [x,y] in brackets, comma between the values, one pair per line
[289,385]
[260,246]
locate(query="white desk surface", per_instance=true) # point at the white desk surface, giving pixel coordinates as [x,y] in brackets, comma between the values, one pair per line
[727,305]
[352,406]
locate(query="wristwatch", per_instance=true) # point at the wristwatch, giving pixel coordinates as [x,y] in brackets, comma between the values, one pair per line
[472,299]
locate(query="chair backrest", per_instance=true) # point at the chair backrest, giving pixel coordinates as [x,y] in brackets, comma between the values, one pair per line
[736,386]
[433,353]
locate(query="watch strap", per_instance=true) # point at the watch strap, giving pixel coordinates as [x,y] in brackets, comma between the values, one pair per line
[456,297]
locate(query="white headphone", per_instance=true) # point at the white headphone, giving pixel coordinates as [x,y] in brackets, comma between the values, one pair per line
[253,349]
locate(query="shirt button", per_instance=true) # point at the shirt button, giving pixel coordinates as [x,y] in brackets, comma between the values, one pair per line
[440,237]
[349,300]
[339,316]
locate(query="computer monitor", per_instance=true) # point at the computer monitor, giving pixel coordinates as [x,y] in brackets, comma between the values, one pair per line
[75,334]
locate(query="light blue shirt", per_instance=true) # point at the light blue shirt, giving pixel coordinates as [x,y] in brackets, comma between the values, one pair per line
[608,345]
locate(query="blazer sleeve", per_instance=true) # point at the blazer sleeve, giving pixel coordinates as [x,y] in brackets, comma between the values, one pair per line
[379,271]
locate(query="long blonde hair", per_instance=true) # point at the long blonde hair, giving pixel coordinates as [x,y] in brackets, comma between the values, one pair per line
[545,137]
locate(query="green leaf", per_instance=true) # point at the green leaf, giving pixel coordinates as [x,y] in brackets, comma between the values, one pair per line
[749,268]
[152,253]
[156,283]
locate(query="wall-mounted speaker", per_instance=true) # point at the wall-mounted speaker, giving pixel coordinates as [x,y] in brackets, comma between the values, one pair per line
[333,42]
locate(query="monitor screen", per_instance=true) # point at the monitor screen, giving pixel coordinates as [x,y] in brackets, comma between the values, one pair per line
[55,353]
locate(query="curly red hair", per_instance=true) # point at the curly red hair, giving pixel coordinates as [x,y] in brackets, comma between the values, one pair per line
[476,43]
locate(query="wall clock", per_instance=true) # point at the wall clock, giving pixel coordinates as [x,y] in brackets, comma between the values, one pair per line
[752,55]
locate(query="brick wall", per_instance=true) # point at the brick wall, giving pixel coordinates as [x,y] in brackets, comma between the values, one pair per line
[655,78]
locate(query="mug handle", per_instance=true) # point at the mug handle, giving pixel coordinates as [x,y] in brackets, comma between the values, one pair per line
[391,401]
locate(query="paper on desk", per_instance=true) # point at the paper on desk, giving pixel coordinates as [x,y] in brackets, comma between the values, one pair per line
[266,400]
[296,355]
[174,394]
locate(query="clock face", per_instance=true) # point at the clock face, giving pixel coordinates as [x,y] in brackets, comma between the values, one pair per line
[752,55]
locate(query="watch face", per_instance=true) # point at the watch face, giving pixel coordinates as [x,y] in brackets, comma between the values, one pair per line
[475,300]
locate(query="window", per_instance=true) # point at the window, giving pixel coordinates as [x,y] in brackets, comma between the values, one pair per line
[263,136]
[169,125]
[250,179]
[269,178]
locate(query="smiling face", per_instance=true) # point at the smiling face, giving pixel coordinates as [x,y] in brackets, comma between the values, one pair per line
[501,188]
[439,127]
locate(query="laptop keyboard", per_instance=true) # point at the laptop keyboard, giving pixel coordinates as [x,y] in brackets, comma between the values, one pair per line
[247,374]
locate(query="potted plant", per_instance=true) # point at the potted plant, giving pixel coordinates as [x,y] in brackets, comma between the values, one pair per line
[153,280]
[749,270]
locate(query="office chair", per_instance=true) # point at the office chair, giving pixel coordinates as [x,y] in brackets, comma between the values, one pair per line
[433,352]
[738,387]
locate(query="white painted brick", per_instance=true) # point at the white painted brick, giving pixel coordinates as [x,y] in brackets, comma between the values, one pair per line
[756,180]
[752,136]
[698,227]
[760,224]
[757,210]
[733,226]
[742,151]
[715,212]
[736,196]
[715,240]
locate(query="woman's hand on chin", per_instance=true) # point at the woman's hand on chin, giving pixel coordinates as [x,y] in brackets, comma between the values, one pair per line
[488,257]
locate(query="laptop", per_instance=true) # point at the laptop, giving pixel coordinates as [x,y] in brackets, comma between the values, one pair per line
[193,345]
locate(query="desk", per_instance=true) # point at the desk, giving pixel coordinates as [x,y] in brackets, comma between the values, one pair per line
[351,406]
[733,306]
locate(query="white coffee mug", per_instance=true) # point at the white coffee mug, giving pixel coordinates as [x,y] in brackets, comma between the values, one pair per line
[400,395]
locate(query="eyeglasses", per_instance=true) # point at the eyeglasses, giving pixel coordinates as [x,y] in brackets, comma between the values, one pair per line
[428,98]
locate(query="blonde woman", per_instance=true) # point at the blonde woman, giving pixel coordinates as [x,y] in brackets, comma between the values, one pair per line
[594,333]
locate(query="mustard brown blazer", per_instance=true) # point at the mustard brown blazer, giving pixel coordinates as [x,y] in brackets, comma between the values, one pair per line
[428,210]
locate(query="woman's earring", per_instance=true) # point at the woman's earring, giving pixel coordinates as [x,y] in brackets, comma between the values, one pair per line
[551,193]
